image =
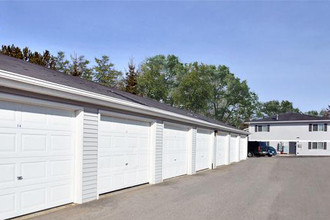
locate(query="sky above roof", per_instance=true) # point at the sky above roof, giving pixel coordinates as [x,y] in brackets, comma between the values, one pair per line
[281,48]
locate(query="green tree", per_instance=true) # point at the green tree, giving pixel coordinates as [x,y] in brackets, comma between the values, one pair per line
[104,72]
[62,64]
[45,59]
[12,50]
[157,77]
[193,91]
[79,67]
[313,113]
[131,79]
[276,107]
[232,101]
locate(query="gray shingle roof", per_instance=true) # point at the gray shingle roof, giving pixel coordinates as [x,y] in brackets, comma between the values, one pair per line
[32,70]
[290,117]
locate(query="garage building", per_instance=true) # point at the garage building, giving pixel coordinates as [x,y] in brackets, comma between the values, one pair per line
[68,140]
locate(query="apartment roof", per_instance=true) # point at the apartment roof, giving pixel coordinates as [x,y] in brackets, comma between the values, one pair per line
[286,117]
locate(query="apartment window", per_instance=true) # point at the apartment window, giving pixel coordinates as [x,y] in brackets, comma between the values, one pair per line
[259,128]
[318,127]
[314,145]
[321,127]
[262,128]
[317,145]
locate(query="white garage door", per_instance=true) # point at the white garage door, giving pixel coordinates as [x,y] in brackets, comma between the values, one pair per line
[175,151]
[222,157]
[233,149]
[243,148]
[203,144]
[123,153]
[36,158]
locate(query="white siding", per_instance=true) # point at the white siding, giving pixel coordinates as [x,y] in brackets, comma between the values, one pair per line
[157,130]
[192,151]
[90,145]
[302,149]
[288,132]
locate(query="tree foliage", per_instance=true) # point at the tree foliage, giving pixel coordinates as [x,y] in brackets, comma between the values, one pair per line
[313,113]
[104,72]
[202,88]
[43,59]
[157,77]
[131,79]
[192,91]
[276,107]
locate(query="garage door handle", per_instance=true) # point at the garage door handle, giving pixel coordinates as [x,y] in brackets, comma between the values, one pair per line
[174,159]
[126,164]
[19,178]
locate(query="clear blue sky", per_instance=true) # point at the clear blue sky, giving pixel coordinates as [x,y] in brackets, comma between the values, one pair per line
[281,48]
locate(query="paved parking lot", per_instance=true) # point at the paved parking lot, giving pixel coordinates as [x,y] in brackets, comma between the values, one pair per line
[258,188]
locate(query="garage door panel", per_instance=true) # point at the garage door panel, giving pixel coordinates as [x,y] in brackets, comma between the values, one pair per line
[34,142]
[33,199]
[61,168]
[175,151]
[8,141]
[9,117]
[59,194]
[234,149]
[40,153]
[222,150]
[8,203]
[59,143]
[123,153]
[32,171]
[203,144]
[36,117]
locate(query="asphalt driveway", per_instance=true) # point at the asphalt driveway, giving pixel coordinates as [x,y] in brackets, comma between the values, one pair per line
[258,188]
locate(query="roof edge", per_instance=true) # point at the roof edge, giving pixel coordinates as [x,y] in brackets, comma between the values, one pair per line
[286,122]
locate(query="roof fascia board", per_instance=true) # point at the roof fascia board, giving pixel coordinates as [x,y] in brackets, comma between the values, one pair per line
[287,122]
[21,82]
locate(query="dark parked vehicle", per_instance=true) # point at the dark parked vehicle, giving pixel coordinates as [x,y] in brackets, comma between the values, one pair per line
[271,151]
[256,148]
